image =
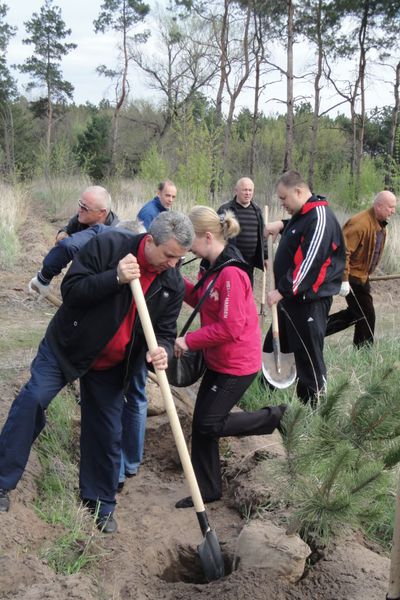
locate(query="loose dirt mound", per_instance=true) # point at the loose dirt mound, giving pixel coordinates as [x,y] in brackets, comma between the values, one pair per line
[153,555]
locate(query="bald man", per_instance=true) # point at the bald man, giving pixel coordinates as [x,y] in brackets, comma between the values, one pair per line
[94,208]
[250,240]
[365,236]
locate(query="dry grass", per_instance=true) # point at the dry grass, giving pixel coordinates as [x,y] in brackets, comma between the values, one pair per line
[13,209]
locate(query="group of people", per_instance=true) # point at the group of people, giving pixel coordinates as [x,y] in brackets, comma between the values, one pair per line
[96,335]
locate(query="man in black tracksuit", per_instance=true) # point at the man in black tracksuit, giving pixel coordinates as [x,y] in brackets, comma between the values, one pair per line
[308,269]
[96,336]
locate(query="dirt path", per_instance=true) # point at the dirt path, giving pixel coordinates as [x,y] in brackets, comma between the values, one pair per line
[153,555]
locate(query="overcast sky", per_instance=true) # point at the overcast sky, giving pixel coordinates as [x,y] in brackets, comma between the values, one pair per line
[79,66]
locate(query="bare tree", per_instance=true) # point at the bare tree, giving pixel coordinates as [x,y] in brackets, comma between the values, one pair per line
[180,67]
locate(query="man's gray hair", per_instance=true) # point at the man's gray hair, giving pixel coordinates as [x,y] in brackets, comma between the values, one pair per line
[102,196]
[172,225]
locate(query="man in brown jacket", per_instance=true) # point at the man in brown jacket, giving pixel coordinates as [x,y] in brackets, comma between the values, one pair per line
[365,236]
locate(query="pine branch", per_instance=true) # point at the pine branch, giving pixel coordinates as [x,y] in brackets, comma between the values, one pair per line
[333,398]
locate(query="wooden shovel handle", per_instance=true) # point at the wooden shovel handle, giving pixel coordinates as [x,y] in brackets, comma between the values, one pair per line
[276,345]
[167,397]
[264,277]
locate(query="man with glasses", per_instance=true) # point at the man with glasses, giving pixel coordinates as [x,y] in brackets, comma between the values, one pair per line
[94,208]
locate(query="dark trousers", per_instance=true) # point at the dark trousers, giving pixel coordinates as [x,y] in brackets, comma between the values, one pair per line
[212,419]
[101,431]
[302,328]
[360,312]
[101,406]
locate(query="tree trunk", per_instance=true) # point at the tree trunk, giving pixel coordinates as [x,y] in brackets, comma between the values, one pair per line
[259,57]
[287,162]
[361,79]
[215,182]
[49,126]
[393,129]
[234,93]
[120,100]
[317,99]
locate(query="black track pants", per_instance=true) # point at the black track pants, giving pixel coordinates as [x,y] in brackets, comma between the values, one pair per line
[360,312]
[302,328]
[212,419]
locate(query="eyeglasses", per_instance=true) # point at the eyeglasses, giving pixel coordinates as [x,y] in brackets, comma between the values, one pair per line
[86,208]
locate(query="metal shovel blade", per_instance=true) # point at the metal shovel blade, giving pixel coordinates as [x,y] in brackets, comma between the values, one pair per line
[211,557]
[287,373]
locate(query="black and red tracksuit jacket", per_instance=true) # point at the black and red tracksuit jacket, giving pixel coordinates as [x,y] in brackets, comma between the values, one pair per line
[310,258]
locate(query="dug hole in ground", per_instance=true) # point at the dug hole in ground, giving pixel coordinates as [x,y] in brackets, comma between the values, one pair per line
[153,555]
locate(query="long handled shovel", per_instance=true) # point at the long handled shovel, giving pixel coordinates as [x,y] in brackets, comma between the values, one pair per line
[264,277]
[394,583]
[278,369]
[209,550]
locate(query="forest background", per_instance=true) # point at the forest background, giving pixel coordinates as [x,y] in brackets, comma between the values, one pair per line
[201,59]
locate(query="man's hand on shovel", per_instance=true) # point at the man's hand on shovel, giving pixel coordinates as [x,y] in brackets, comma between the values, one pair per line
[273,297]
[128,269]
[158,357]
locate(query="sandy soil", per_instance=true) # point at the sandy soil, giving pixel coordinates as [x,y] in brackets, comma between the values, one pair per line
[153,555]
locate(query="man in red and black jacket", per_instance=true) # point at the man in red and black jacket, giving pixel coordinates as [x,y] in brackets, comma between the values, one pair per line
[96,337]
[308,269]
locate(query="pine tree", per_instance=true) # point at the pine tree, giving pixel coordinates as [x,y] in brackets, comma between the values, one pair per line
[47,31]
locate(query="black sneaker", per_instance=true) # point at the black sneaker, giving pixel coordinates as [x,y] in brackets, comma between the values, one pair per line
[106,523]
[4,500]
[120,486]
[188,502]
[280,426]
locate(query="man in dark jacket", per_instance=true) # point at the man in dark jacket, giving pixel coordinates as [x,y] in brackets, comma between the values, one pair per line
[308,270]
[250,240]
[94,207]
[96,336]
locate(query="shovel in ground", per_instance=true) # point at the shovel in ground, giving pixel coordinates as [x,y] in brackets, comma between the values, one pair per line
[279,368]
[394,578]
[209,550]
[264,280]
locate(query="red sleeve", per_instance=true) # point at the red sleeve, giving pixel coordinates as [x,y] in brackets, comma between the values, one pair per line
[190,297]
[231,287]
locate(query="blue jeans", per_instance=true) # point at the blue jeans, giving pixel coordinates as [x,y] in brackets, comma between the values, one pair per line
[27,416]
[134,421]
[101,412]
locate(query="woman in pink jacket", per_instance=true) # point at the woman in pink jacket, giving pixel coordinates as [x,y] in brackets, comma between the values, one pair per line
[230,339]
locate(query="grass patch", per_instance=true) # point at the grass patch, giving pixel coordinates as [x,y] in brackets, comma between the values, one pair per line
[57,501]
[26,339]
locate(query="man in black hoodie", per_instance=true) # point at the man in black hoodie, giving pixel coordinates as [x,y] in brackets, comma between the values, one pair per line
[308,269]
[96,336]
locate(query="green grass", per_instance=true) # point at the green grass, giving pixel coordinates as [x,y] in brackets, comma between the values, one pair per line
[20,340]
[57,501]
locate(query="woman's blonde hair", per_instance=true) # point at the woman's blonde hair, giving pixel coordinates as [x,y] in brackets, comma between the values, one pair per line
[224,226]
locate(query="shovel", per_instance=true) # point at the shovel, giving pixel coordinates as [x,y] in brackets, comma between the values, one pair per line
[394,578]
[209,550]
[278,369]
[264,277]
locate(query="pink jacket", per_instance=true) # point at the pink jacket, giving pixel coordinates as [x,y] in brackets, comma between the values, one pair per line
[229,335]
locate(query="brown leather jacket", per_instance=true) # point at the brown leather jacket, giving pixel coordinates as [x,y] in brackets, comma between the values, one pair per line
[360,237]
